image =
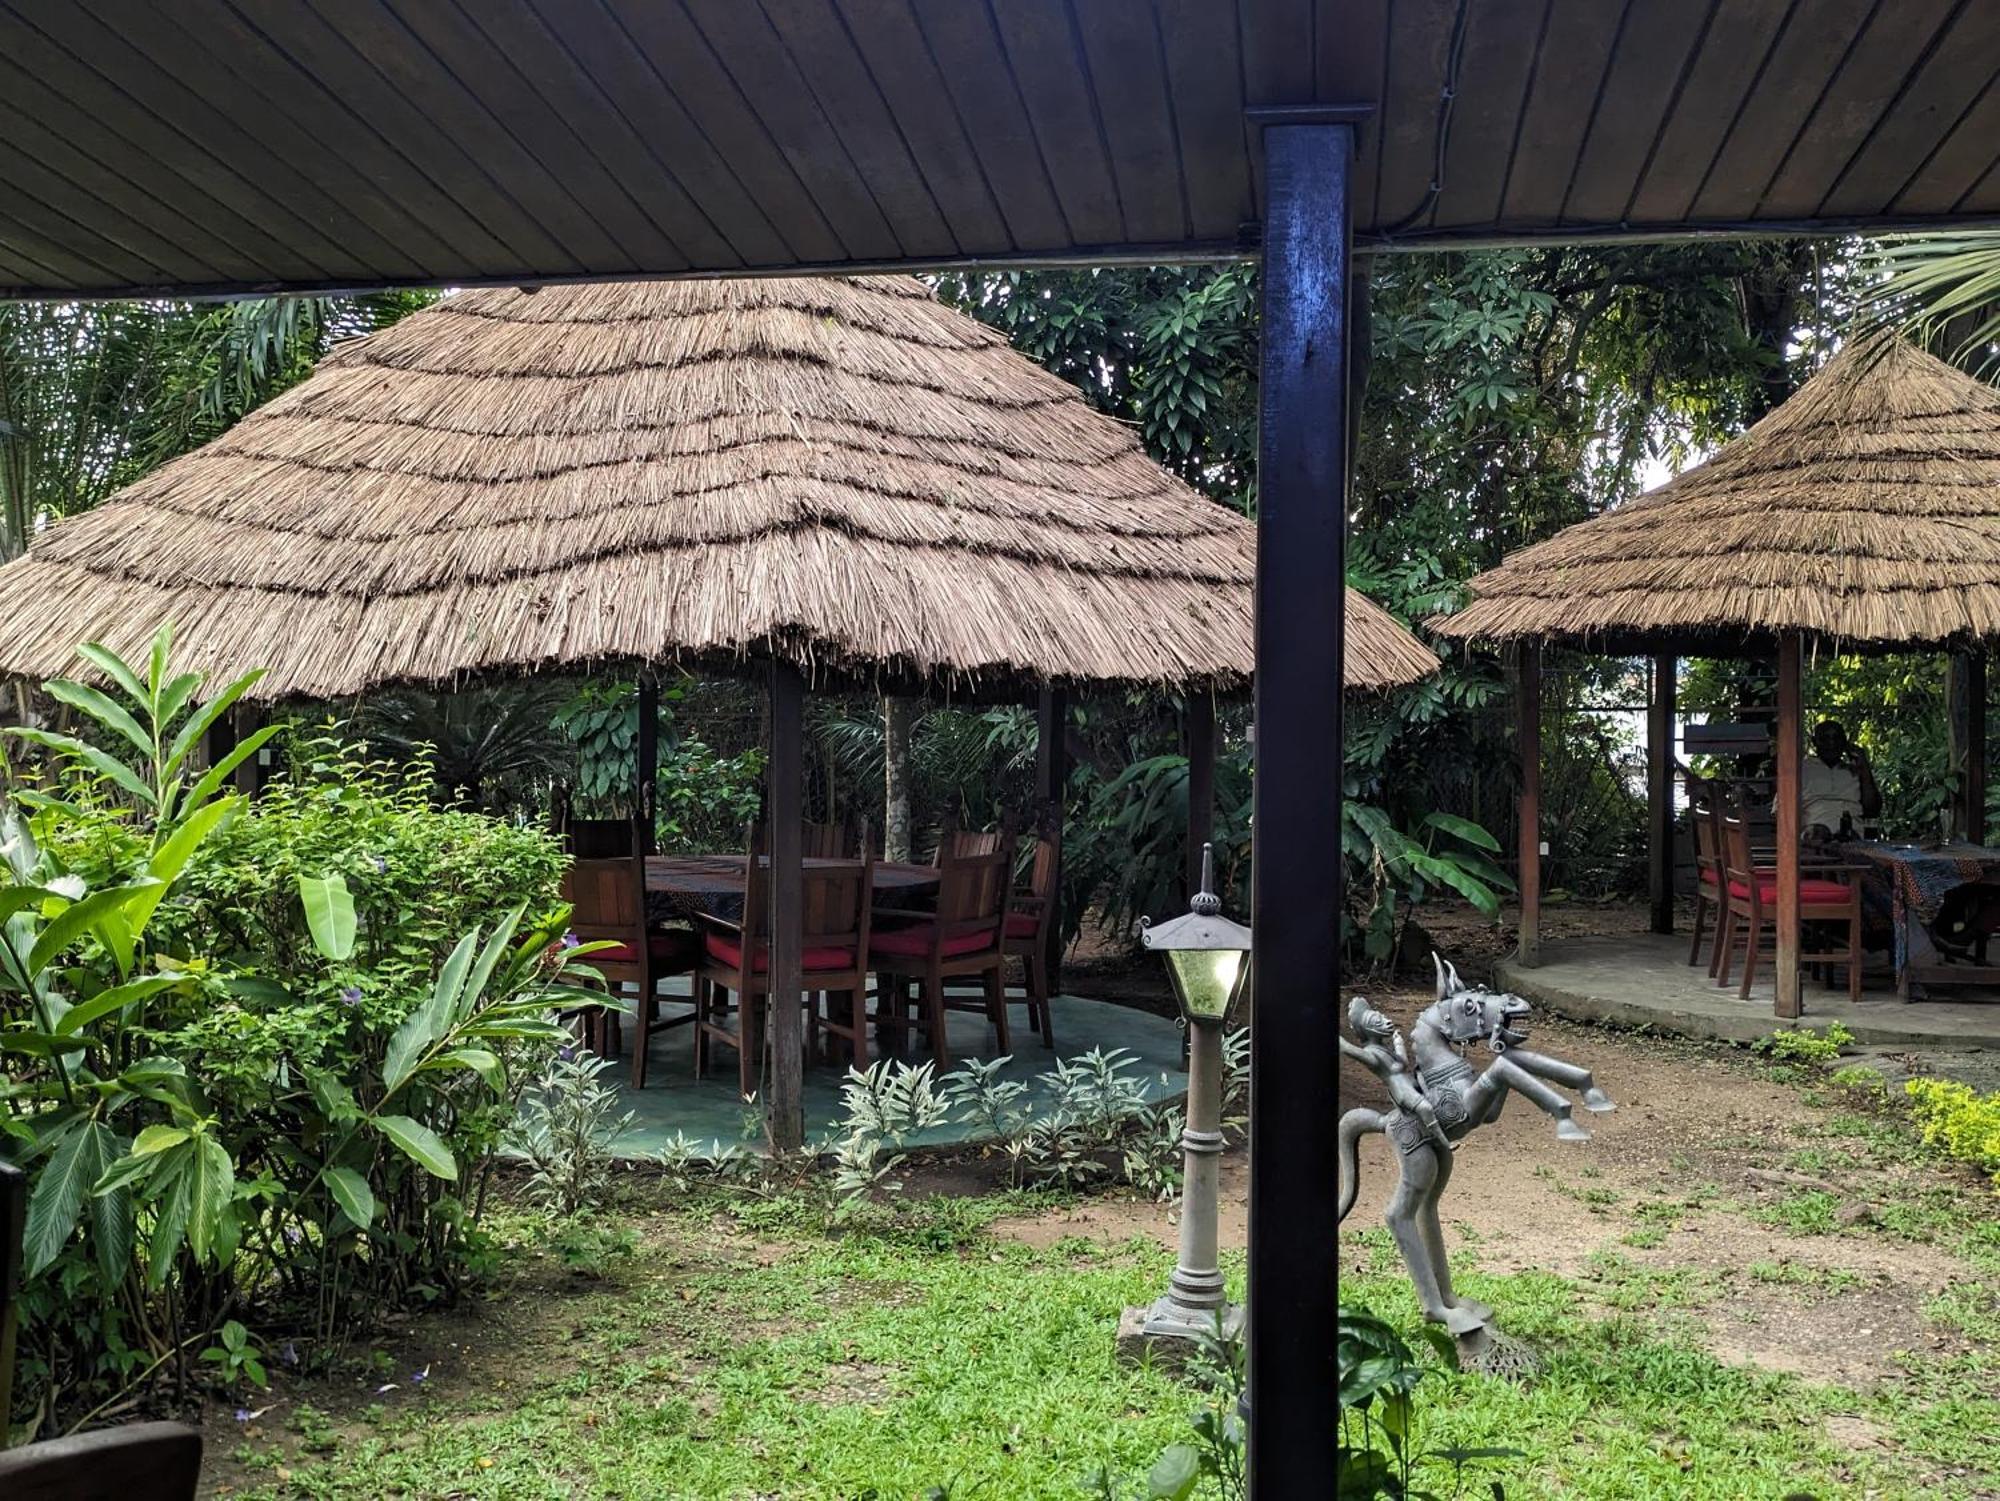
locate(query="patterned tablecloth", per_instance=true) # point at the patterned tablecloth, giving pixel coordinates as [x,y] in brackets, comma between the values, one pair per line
[680,888]
[1907,884]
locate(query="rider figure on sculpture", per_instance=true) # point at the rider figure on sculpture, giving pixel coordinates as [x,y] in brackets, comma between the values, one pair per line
[1437,1099]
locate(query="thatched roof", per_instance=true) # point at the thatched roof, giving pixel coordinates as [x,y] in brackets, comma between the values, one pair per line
[843,472]
[1864,511]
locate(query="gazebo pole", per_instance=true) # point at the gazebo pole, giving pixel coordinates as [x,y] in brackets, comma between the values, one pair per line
[1302,465]
[1051,778]
[1975,746]
[1198,727]
[647,790]
[1660,790]
[1787,1003]
[784,808]
[1528,710]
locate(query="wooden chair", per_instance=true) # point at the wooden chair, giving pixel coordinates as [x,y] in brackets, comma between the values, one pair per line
[1031,914]
[1827,895]
[156,1461]
[608,904]
[1705,811]
[736,957]
[826,841]
[956,841]
[966,935]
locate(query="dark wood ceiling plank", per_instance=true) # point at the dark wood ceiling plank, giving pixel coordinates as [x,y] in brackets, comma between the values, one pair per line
[1045,54]
[1568,88]
[1495,71]
[657,123]
[1983,197]
[104,122]
[30,227]
[759,65]
[1803,60]
[1725,69]
[362,99]
[1125,55]
[984,94]
[1419,57]
[900,61]
[1279,54]
[637,191]
[615,232]
[692,74]
[128,211]
[210,42]
[1960,69]
[1206,78]
[152,66]
[1942,180]
[1655,49]
[421,79]
[849,95]
[1872,78]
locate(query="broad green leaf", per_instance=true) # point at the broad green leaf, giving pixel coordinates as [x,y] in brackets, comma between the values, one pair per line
[205,717]
[482,1062]
[352,1193]
[113,666]
[489,959]
[329,915]
[211,1190]
[57,1200]
[78,918]
[420,1143]
[113,1231]
[117,998]
[1174,1474]
[223,770]
[171,858]
[158,1139]
[101,762]
[1463,828]
[156,673]
[167,1192]
[405,1051]
[101,708]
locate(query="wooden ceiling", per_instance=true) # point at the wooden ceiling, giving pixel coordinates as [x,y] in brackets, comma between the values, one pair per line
[239,145]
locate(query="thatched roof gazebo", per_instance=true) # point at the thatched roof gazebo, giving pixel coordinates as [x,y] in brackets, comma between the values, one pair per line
[843,474]
[835,479]
[1861,514]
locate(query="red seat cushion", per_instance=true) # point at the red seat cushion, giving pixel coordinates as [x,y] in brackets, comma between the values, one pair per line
[1022,924]
[915,941]
[1810,892]
[723,951]
[663,946]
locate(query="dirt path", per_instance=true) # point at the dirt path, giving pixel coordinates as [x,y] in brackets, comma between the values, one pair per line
[1671,1204]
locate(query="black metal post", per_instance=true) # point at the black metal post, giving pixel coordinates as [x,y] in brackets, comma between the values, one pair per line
[1198,728]
[1051,784]
[784,805]
[645,803]
[1660,790]
[1302,486]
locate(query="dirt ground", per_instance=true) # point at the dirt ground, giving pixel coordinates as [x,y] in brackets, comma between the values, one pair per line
[1681,1157]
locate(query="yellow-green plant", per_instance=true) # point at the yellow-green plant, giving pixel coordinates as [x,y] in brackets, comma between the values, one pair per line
[1956,1118]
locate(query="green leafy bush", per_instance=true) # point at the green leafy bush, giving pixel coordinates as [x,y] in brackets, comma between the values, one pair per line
[1381,1452]
[258,1056]
[1806,1045]
[1957,1119]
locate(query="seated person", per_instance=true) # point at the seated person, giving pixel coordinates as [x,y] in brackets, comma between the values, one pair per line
[1837,790]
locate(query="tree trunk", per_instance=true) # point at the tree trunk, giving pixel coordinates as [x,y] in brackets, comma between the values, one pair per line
[899,717]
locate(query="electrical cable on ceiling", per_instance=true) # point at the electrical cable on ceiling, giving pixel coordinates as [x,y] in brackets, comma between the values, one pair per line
[1447,96]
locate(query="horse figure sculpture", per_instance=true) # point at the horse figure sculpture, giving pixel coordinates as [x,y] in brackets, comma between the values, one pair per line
[1437,1099]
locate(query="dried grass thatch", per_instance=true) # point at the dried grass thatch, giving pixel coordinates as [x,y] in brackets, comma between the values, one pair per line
[846,473]
[1864,511]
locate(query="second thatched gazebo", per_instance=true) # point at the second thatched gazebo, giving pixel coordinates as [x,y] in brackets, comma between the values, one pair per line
[1861,514]
[835,480]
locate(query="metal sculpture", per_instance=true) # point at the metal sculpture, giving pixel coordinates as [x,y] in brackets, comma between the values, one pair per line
[1437,1100]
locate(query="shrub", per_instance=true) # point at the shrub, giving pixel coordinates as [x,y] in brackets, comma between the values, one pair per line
[1958,1119]
[252,1068]
[565,1131]
[1806,1045]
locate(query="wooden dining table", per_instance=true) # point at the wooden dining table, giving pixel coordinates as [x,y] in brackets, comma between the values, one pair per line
[1909,884]
[681,888]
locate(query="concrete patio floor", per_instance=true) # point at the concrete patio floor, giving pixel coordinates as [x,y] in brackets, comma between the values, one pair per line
[709,1111]
[1644,980]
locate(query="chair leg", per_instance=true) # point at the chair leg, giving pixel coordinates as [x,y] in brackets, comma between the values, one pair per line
[857,1017]
[642,1027]
[703,1014]
[1700,911]
[1724,957]
[934,1017]
[996,1006]
[1753,936]
[1038,995]
[749,1044]
[1854,957]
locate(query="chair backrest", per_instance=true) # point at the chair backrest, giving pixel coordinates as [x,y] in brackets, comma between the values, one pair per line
[826,841]
[157,1461]
[601,838]
[838,901]
[608,902]
[1044,858]
[1736,855]
[973,892]
[957,841]
[1705,812]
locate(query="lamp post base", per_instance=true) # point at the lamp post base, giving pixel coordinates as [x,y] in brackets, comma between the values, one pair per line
[1167,1333]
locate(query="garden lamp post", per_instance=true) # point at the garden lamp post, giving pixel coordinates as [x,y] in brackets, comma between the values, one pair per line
[1208,958]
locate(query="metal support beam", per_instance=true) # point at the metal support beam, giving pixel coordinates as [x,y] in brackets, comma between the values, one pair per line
[1528,736]
[1788,1002]
[1051,796]
[1198,732]
[1660,791]
[1302,472]
[644,803]
[784,806]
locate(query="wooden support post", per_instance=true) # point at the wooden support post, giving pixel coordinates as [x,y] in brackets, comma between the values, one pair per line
[1528,738]
[1198,730]
[1051,796]
[1972,782]
[646,793]
[1788,1003]
[221,738]
[1302,471]
[246,722]
[784,805]
[1660,791]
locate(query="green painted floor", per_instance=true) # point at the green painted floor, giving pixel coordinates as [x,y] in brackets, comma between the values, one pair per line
[709,1111]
